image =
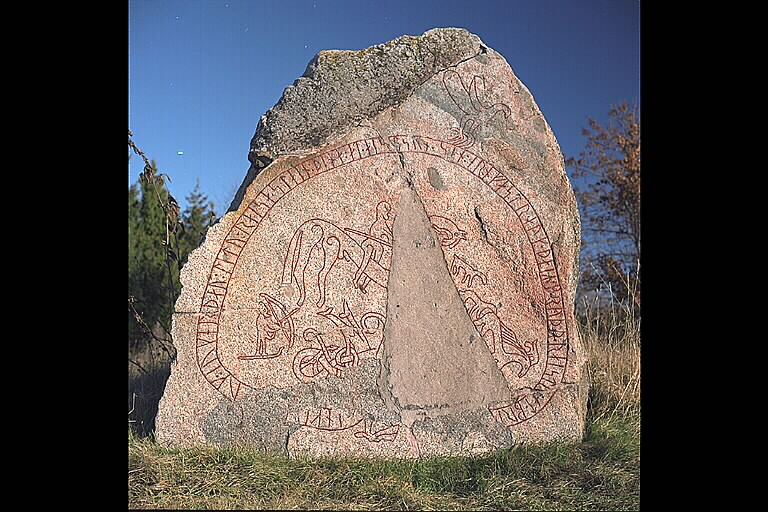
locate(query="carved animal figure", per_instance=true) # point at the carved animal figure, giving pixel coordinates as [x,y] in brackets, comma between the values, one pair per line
[523,355]
[323,239]
[476,112]
[320,238]
[448,233]
[376,244]
[367,332]
[381,228]
[465,273]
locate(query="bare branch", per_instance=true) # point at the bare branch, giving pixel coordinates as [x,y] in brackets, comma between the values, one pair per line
[171,210]
[610,200]
[145,372]
[147,330]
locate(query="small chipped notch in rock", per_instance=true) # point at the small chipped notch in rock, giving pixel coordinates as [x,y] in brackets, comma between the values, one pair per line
[259,160]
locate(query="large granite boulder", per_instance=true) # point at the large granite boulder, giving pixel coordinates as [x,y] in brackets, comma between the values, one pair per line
[396,274]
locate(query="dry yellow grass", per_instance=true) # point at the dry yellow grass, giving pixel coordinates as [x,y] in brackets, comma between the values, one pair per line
[610,332]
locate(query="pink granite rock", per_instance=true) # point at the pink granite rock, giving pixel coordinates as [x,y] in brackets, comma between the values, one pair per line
[396,275]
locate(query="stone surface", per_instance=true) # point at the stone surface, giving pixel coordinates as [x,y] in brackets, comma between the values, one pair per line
[396,275]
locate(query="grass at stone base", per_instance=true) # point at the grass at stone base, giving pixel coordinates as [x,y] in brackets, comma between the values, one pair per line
[600,473]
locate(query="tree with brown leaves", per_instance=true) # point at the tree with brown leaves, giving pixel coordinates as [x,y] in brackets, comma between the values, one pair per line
[608,189]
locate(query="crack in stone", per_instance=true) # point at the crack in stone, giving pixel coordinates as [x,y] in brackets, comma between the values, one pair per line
[287,438]
[261,160]
[492,241]
[433,406]
[483,232]
[402,159]
[482,51]
[528,390]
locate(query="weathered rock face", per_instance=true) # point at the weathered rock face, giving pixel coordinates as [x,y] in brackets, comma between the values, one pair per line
[396,275]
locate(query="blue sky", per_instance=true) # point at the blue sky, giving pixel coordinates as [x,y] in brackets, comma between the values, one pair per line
[202,72]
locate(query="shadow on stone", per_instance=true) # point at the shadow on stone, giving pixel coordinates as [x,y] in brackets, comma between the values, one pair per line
[144,393]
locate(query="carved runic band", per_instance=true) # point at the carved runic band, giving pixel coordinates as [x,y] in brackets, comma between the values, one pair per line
[342,335]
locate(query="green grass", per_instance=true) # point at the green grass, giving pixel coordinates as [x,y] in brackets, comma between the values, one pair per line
[600,473]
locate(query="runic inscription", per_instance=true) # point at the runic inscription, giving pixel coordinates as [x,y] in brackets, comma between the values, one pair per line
[396,273]
[315,333]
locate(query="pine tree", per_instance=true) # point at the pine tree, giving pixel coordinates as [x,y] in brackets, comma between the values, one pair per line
[134,219]
[198,216]
[159,242]
[133,225]
[153,270]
